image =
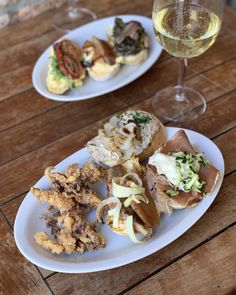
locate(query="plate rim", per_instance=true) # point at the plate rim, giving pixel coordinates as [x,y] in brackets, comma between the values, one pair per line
[64,98]
[129,258]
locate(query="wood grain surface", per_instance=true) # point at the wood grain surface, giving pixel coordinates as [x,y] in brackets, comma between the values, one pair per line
[36,133]
[192,274]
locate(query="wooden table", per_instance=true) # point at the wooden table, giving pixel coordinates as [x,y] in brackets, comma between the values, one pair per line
[36,133]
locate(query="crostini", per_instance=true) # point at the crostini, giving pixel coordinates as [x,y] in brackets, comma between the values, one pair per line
[133,133]
[65,70]
[100,60]
[130,42]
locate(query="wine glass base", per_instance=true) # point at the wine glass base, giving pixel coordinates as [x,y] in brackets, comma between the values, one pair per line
[66,20]
[170,105]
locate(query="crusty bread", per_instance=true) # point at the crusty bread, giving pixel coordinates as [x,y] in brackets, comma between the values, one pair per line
[158,139]
[102,72]
[147,139]
[134,59]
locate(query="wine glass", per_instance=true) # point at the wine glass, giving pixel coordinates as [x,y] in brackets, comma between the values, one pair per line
[186,29]
[67,19]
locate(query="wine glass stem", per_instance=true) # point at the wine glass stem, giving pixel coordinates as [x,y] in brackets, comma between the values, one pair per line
[72,8]
[180,96]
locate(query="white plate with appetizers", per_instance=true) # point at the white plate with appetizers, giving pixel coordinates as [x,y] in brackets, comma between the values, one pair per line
[119,250]
[92,88]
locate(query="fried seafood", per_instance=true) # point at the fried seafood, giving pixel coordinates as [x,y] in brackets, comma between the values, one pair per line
[69,199]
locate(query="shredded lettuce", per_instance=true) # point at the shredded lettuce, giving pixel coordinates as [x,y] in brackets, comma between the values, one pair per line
[188,166]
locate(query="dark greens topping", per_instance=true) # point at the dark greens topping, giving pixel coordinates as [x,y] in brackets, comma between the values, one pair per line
[129,37]
[140,118]
[118,27]
[188,167]
[117,115]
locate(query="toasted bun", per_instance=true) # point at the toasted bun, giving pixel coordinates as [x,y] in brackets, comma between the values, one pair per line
[135,59]
[158,139]
[102,72]
[147,212]
[121,229]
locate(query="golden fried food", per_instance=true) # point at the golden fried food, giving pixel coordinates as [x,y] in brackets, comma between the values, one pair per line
[55,199]
[70,198]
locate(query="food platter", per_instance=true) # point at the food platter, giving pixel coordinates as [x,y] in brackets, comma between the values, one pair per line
[119,250]
[92,88]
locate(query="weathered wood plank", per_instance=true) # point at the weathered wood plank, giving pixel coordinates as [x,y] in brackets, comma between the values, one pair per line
[17,275]
[223,50]
[226,142]
[229,20]
[25,53]
[15,82]
[24,106]
[212,265]
[224,75]
[10,209]
[218,216]
[54,124]
[219,117]
[192,275]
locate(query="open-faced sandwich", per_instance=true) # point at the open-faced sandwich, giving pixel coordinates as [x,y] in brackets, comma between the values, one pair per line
[130,41]
[129,208]
[133,133]
[178,176]
[65,70]
[99,59]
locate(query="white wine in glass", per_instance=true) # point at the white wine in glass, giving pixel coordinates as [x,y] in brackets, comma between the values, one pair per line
[186,29]
[70,17]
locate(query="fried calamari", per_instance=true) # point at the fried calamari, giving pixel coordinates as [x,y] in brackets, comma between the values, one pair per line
[70,198]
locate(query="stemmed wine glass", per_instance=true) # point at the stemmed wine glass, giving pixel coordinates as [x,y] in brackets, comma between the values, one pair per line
[186,29]
[67,19]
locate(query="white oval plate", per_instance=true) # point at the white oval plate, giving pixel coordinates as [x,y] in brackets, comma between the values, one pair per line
[119,250]
[92,88]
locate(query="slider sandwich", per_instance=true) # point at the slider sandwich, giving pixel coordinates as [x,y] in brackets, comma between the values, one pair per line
[100,60]
[130,42]
[178,176]
[65,70]
[129,209]
[132,133]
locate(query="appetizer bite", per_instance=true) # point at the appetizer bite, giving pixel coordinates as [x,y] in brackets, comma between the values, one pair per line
[178,176]
[65,70]
[129,208]
[99,59]
[69,199]
[133,133]
[130,41]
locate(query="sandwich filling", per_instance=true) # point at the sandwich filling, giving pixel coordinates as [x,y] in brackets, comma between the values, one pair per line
[181,170]
[129,38]
[125,135]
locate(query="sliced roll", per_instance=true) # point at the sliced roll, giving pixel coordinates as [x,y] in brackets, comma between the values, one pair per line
[132,133]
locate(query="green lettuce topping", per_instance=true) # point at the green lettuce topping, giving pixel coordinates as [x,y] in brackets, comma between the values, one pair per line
[57,73]
[188,166]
